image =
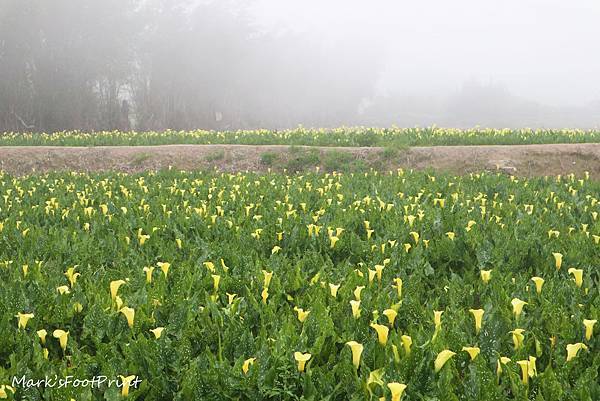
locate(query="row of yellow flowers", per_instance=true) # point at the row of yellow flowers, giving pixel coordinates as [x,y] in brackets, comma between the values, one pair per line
[349,136]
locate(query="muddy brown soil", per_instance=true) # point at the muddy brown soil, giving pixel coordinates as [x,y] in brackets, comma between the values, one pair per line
[520,160]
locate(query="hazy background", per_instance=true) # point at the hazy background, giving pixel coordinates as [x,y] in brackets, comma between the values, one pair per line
[157,64]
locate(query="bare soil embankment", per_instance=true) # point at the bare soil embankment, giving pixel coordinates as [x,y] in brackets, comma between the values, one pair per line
[521,160]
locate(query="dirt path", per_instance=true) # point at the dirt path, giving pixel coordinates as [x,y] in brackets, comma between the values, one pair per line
[526,160]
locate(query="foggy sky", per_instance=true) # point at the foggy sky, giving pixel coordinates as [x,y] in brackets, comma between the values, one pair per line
[276,64]
[546,51]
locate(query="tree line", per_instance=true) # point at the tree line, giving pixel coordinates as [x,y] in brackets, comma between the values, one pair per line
[158,64]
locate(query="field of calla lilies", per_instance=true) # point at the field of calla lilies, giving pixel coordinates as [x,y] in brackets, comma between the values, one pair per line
[322,286]
[343,136]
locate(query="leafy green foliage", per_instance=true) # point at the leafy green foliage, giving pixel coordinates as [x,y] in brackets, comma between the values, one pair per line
[231,333]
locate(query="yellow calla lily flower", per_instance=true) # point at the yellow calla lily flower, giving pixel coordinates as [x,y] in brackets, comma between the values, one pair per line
[23,318]
[210,266]
[517,305]
[398,282]
[302,315]
[355,308]
[71,275]
[63,289]
[382,332]
[578,276]
[442,358]
[357,350]
[371,275]
[391,315]
[357,292]
[518,337]
[524,364]
[114,288]
[216,280]
[478,315]
[532,369]
[397,390]
[62,337]
[246,365]
[148,270]
[406,343]
[142,238]
[5,387]
[375,377]
[301,359]
[164,266]
[126,384]
[472,351]
[129,314]
[333,240]
[157,332]
[230,298]
[558,257]
[333,289]
[379,271]
[589,328]
[267,278]
[486,275]
[42,335]
[573,350]
[501,361]
[539,282]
